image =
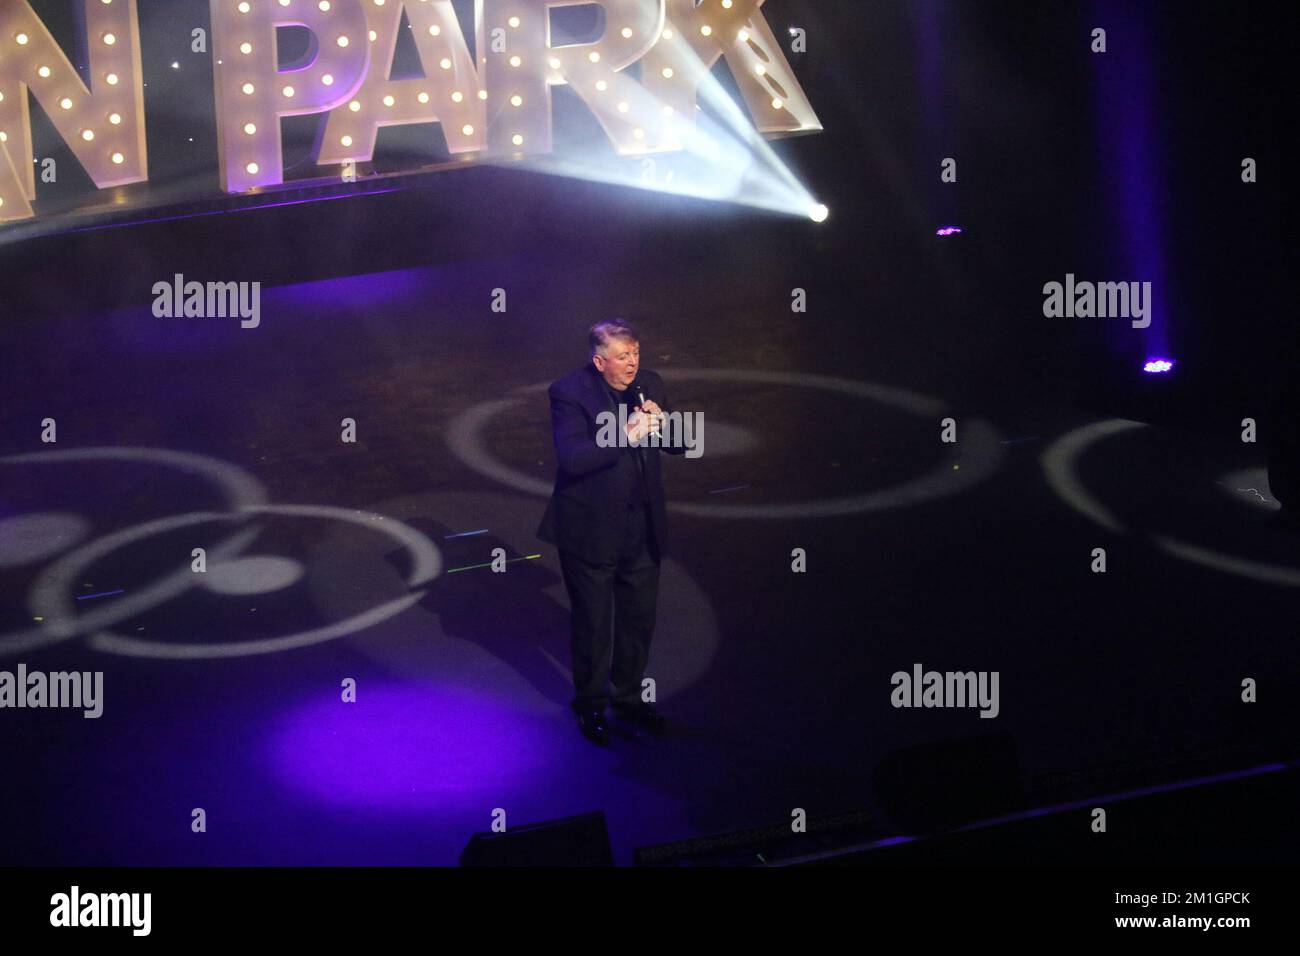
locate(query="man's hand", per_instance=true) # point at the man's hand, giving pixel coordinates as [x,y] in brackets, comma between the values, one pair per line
[643,422]
[655,414]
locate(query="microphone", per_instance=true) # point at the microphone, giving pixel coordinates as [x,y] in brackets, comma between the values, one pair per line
[640,394]
[640,457]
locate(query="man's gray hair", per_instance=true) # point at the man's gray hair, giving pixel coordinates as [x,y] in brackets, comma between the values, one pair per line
[602,332]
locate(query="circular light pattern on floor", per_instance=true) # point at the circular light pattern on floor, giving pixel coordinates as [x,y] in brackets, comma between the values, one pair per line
[26,539]
[1060,466]
[53,605]
[425,566]
[260,574]
[1250,485]
[237,487]
[980,449]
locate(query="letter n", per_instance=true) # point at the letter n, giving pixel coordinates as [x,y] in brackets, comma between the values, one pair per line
[100,117]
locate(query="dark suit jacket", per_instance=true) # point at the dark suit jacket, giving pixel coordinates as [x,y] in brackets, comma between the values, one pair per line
[588,508]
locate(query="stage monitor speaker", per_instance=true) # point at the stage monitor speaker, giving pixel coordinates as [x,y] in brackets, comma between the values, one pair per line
[574,841]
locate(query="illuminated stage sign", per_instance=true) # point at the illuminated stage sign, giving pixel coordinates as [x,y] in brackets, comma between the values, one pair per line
[499,106]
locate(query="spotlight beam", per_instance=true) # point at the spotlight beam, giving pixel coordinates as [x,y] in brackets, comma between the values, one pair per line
[718,155]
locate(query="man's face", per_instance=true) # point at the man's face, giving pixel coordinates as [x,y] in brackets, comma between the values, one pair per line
[620,362]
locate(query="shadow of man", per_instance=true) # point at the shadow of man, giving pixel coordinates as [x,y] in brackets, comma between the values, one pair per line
[507,613]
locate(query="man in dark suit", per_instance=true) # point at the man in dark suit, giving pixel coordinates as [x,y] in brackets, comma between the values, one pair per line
[608,520]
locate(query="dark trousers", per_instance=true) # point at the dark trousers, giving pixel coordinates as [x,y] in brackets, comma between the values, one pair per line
[613,608]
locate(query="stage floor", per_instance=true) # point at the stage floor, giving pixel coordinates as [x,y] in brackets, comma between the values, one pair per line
[331,562]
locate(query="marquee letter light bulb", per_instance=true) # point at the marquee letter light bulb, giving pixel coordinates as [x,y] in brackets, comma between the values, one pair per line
[113,154]
[740,34]
[448,69]
[592,69]
[253,93]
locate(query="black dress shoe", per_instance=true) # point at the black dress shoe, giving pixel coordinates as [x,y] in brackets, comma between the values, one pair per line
[593,726]
[643,716]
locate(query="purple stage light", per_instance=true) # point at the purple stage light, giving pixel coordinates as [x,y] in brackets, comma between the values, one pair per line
[948,231]
[1156,366]
[413,747]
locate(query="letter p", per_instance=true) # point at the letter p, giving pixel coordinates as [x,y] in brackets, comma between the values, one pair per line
[253,92]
